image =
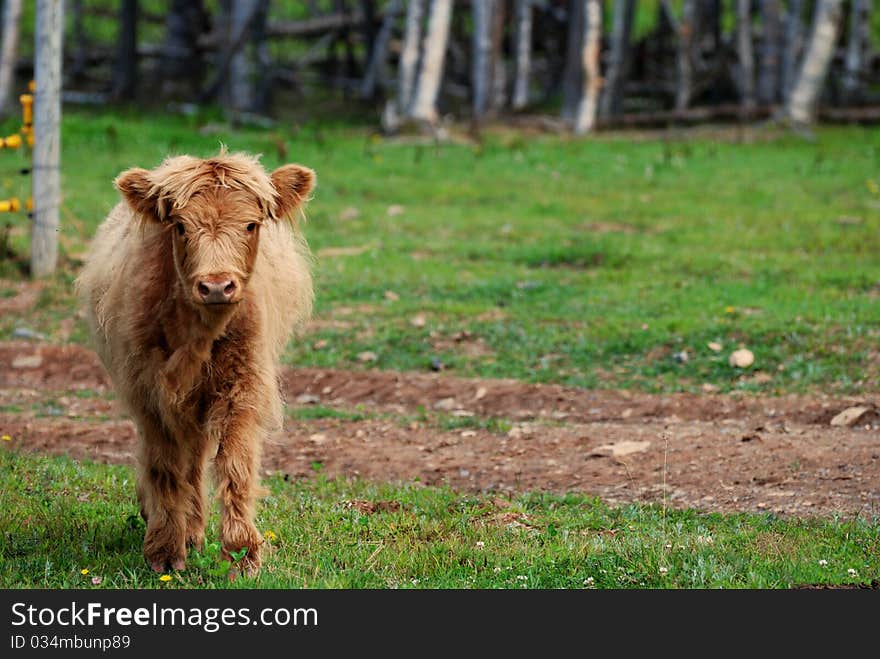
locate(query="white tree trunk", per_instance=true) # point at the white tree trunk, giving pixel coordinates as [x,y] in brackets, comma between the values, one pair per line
[376,69]
[585,116]
[240,89]
[684,57]
[409,57]
[745,53]
[859,35]
[801,107]
[481,74]
[572,75]
[498,68]
[611,102]
[9,52]
[523,54]
[47,136]
[794,36]
[425,101]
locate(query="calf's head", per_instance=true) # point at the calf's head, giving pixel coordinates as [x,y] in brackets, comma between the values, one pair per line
[212,211]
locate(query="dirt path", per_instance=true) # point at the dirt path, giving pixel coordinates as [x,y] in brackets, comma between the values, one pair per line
[713,452]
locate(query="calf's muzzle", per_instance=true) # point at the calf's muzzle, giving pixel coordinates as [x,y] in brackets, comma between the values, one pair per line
[217,290]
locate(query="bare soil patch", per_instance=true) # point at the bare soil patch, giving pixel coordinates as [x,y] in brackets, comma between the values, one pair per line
[712,452]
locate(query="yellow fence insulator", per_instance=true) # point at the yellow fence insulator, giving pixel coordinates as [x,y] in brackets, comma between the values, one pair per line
[27,109]
[10,205]
[11,142]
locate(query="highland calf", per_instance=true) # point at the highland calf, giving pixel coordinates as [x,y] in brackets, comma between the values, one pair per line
[193,286]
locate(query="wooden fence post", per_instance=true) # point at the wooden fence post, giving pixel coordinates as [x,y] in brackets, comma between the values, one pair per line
[47,137]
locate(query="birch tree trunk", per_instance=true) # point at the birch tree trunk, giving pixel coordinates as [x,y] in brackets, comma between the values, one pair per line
[9,53]
[482,56]
[585,116]
[859,36]
[409,57]
[376,74]
[801,106]
[793,44]
[685,55]
[425,101]
[572,75]
[745,54]
[768,71]
[47,136]
[497,68]
[239,93]
[611,102]
[523,54]
[125,69]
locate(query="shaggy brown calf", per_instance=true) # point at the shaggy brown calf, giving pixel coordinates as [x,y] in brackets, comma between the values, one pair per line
[193,286]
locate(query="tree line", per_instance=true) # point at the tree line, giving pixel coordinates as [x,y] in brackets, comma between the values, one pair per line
[579,64]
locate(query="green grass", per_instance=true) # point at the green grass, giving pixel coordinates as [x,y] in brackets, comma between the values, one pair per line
[59,517]
[584,262]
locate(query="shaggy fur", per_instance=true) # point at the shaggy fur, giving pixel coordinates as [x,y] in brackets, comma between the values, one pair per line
[199,379]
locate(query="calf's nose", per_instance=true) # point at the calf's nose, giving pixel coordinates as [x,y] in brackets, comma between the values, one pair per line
[216,291]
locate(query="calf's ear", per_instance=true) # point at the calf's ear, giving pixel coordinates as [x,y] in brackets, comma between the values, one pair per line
[293,184]
[137,189]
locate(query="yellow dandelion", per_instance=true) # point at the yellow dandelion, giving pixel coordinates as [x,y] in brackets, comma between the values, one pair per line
[872,186]
[270,536]
[85,570]
[729,309]
[6,438]
[165,577]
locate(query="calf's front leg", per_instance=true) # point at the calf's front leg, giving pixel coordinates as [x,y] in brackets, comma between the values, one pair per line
[237,471]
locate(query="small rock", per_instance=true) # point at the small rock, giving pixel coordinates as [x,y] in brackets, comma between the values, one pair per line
[436,364]
[714,346]
[742,358]
[618,449]
[25,333]
[419,320]
[395,209]
[318,345]
[850,416]
[445,404]
[318,438]
[468,433]
[392,296]
[681,357]
[520,430]
[464,414]
[27,361]
[308,399]
[708,388]
[367,356]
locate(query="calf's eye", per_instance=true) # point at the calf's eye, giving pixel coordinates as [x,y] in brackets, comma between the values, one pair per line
[251,227]
[180,228]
